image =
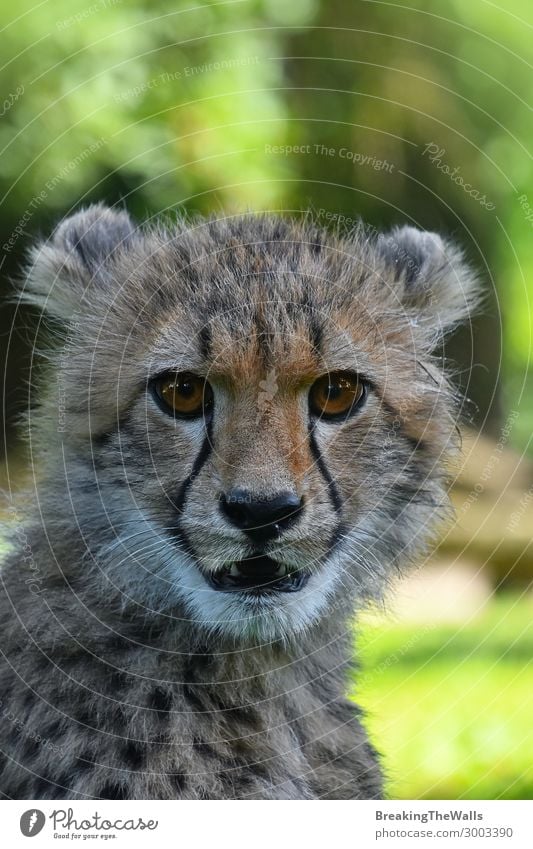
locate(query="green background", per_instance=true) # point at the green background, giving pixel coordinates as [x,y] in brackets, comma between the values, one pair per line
[187,106]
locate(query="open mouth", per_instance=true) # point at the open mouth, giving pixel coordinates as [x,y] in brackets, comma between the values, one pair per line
[258,575]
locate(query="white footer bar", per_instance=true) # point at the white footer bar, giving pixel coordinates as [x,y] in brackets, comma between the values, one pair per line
[276,825]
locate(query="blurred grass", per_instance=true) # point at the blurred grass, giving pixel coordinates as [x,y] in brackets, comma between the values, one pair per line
[450,707]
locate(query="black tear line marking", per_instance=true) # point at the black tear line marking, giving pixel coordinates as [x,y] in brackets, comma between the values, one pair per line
[334,494]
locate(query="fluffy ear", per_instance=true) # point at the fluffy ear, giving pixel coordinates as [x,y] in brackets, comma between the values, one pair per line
[436,286]
[77,255]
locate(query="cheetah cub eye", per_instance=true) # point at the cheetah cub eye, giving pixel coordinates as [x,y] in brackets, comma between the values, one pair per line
[337,395]
[183,394]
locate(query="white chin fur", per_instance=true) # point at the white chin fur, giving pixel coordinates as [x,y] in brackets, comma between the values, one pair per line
[159,576]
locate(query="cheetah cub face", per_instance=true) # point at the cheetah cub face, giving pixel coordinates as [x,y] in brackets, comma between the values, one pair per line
[253,430]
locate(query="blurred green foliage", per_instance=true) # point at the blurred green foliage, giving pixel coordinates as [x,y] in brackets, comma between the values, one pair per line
[450,706]
[161,107]
[200,106]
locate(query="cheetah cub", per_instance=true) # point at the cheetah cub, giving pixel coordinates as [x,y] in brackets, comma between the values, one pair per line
[242,434]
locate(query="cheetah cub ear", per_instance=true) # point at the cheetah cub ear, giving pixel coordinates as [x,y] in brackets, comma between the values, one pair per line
[76,262]
[432,281]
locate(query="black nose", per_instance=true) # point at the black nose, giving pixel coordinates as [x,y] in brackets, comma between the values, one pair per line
[261,518]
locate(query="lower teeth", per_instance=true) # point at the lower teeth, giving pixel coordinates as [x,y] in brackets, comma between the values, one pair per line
[234,572]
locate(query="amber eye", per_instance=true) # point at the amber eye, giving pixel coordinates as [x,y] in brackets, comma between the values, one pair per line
[183,394]
[336,395]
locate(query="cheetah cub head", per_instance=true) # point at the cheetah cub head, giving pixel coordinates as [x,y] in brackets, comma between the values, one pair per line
[247,429]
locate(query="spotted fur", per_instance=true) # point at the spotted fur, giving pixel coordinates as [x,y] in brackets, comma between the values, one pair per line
[124,674]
